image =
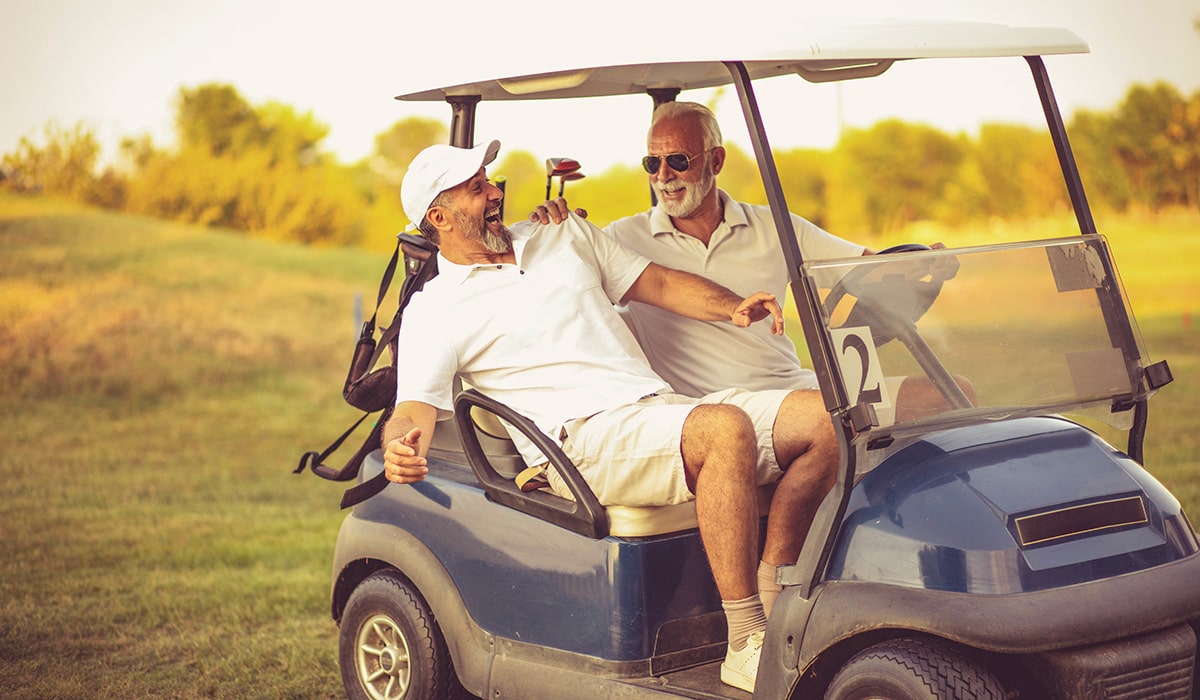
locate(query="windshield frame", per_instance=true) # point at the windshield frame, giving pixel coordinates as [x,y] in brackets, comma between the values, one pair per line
[1053,305]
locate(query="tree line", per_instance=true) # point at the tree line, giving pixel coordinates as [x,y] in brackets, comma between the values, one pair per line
[261,169]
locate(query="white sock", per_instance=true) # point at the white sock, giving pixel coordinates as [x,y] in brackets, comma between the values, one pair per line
[744,617]
[768,590]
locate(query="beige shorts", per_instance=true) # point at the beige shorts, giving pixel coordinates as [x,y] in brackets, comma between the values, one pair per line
[630,455]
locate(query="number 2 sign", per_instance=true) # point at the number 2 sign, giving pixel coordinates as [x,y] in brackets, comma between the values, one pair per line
[859,365]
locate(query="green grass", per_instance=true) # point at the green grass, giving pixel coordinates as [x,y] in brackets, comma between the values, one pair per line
[159,382]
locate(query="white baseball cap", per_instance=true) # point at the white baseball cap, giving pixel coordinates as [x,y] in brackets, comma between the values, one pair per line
[437,169]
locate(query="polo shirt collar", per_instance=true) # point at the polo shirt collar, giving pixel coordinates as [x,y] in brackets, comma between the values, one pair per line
[454,273]
[660,221]
[451,272]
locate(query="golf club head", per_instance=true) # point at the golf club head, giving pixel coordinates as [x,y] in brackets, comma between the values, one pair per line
[561,166]
[562,180]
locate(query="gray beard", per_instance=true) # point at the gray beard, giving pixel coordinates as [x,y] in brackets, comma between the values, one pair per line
[477,229]
[497,243]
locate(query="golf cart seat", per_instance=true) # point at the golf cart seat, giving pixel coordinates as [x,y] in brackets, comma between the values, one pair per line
[645,521]
[479,418]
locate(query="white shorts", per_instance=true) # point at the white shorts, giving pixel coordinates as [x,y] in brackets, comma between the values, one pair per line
[630,455]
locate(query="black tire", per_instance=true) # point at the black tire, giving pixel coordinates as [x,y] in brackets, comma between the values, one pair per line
[390,647]
[913,669]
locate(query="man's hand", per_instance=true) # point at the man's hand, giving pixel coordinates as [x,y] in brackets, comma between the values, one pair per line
[400,460]
[944,267]
[755,308]
[553,211]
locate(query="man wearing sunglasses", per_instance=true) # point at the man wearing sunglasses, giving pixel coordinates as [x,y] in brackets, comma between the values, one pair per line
[699,228]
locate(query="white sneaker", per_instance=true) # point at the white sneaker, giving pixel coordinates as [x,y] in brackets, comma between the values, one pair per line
[741,667]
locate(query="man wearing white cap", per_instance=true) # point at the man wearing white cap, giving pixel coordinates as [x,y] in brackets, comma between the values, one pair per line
[526,316]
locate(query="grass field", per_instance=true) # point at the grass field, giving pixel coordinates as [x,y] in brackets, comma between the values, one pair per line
[160,382]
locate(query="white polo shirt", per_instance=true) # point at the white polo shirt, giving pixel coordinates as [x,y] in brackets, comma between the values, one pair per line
[541,336]
[700,357]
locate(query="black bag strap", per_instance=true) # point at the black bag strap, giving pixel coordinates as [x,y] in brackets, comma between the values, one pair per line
[367,334]
[412,283]
[361,492]
[384,283]
[316,460]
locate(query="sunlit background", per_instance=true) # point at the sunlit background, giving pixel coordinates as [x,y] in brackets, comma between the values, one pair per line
[117,66]
[175,318]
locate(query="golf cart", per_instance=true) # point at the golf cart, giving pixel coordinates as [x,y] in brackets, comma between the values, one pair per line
[992,547]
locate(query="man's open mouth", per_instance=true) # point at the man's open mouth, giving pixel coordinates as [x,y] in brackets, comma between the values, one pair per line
[492,216]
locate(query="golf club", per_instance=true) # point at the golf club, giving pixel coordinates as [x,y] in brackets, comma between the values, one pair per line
[501,183]
[559,167]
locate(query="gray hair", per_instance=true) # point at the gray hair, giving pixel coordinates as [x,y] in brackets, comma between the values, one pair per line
[427,229]
[691,110]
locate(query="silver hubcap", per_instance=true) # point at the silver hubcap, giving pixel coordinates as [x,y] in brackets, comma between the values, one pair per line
[382,659]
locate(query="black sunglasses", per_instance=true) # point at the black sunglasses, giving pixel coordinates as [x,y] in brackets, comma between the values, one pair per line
[675,161]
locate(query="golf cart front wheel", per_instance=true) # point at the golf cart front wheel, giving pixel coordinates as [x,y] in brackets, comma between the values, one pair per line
[390,647]
[913,669]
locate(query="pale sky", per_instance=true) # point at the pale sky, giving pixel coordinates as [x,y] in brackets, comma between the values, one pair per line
[117,66]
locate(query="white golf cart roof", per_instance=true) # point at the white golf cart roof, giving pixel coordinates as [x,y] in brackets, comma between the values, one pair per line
[818,53]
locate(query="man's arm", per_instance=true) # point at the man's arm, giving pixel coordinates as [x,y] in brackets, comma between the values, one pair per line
[682,292]
[696,297]
[406,438]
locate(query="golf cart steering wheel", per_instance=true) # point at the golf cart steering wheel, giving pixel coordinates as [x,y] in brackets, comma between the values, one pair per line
[889,304]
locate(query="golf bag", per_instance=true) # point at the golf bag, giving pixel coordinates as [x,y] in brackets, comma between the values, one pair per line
[371,388]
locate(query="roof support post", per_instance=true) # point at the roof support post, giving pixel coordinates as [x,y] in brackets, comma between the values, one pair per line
[462,119]
[660,96]
[824,529]
[1114,313]
[1058,132]
[804,296]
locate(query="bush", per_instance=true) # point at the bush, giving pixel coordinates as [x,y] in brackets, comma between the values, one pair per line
[64,166]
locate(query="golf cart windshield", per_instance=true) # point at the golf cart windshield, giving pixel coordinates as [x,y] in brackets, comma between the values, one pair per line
[993,332]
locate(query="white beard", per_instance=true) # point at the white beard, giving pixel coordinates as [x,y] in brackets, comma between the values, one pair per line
[691,199]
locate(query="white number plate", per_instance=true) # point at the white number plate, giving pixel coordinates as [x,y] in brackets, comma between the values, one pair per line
[860,368]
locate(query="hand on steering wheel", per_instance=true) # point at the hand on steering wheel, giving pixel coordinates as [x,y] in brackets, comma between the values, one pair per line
[889,300]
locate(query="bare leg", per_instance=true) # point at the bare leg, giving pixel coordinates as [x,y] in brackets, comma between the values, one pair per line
[719,458]
[807,450]
[919,398]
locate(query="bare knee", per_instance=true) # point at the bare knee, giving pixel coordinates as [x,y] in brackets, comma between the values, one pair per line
[919,398]
[803,426]
[721,435]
